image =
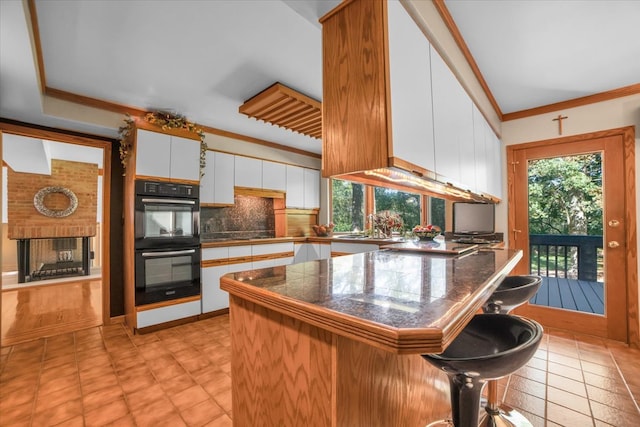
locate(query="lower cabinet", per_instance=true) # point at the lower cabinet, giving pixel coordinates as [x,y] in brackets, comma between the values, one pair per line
[311,251]
[253,257]
[169,313]
[214,298]
[338,248]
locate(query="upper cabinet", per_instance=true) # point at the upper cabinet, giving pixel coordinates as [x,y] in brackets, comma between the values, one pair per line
[410,79]
[216,186]
[167,156]
[453,126]
[390,102]
[303,188]
[274,176]
[248,172]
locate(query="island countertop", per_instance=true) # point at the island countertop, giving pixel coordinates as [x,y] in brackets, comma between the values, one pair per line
[405,303]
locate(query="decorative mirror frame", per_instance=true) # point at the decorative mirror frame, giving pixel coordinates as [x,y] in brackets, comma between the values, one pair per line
[38,202]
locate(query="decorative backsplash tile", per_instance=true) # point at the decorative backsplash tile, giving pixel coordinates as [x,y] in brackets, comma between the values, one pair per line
[250,217]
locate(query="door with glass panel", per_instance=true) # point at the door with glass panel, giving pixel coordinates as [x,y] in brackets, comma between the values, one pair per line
[567,214]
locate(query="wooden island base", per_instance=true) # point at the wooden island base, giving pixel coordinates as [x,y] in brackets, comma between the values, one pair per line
[290,373]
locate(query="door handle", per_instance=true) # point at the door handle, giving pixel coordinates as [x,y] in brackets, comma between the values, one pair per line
[613,244]
[614,223]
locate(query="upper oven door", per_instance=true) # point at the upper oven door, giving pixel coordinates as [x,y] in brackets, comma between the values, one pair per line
[162,222]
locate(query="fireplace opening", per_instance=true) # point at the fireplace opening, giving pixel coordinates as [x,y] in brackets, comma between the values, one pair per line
[40,259]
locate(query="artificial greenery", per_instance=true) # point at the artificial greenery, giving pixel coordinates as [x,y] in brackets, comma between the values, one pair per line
[165,120]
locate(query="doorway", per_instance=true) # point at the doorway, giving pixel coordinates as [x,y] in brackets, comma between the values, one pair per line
[572,213]
[87,285]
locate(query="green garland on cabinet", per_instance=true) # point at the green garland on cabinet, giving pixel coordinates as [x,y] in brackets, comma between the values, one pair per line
[166,121]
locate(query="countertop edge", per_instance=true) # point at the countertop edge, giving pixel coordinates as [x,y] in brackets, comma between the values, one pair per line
[400,341]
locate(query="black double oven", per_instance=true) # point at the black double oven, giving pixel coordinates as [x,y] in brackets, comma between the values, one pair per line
[167,241]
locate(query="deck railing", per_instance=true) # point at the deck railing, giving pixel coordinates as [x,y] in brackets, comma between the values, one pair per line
[569,256]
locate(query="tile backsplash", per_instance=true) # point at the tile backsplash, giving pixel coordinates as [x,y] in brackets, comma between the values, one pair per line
[250,217]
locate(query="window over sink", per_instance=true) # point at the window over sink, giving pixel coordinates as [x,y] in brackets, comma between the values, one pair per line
[352,202]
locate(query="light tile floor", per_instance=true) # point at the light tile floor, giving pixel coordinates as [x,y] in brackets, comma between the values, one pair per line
[180,377]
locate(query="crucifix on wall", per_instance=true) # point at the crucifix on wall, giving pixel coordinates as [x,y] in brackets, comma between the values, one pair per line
[559,119]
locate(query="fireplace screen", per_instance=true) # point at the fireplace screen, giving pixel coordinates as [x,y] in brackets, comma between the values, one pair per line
[40,259]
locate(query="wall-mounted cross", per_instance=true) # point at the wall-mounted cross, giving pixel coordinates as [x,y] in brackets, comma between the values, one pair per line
[560,118]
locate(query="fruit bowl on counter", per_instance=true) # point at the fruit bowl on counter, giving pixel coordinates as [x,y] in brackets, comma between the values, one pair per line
[325,230]
[426,232]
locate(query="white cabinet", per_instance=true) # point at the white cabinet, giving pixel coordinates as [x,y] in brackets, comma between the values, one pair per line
[311,189]
[274,176]
[248,172]
[214,298]
[169,313]
[216,186]
[295,187]
[352,248]
[452,122]
[223,167]
[410,77]
[300,252]
[481,170]
[207,182]
[185,158]
[166,156]
[494,163]
[153,154]
[316,251]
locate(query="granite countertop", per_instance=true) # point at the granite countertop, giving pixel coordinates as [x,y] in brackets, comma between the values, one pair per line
[402,302]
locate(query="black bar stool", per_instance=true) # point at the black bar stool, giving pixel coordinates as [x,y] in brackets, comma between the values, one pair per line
[489,347]
[512,292]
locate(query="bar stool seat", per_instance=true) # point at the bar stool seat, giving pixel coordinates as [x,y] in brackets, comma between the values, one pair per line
[490,346]
[512,292]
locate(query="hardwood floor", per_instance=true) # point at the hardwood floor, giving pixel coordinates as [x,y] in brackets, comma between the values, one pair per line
[43,311]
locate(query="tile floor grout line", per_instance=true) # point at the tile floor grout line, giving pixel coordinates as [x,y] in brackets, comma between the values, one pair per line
[624,380]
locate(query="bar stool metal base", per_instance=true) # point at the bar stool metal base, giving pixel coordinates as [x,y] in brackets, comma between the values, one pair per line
[504,416]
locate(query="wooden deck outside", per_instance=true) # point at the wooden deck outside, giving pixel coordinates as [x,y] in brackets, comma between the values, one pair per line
[569,294]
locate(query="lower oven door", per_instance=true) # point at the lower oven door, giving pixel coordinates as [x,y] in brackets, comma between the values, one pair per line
[166,274]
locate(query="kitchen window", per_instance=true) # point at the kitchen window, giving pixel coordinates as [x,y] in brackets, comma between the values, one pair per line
[352,202]
[348,205]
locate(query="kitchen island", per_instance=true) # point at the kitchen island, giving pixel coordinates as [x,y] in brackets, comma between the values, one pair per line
[337,342]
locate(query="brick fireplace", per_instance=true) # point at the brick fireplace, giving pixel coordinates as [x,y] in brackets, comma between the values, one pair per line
[51,241]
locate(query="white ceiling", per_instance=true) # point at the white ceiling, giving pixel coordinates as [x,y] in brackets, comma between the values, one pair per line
[537,52]
[203,59]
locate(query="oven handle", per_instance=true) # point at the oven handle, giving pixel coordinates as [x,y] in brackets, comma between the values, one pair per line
[175,201]
[169,253]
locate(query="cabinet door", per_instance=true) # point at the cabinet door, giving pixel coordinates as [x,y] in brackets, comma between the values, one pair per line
[223,172]
[295,187]
[325,251]
[311,193]
[467,159]
[214,298]
[207,182]
[479,131]
[248,172]
[274,176]
[452,120]
[185,158]
[410,76]
[160,315]
[300,252]
[494,160]
[153,154]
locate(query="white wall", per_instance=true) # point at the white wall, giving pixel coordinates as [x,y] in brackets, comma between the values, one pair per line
[605,115]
